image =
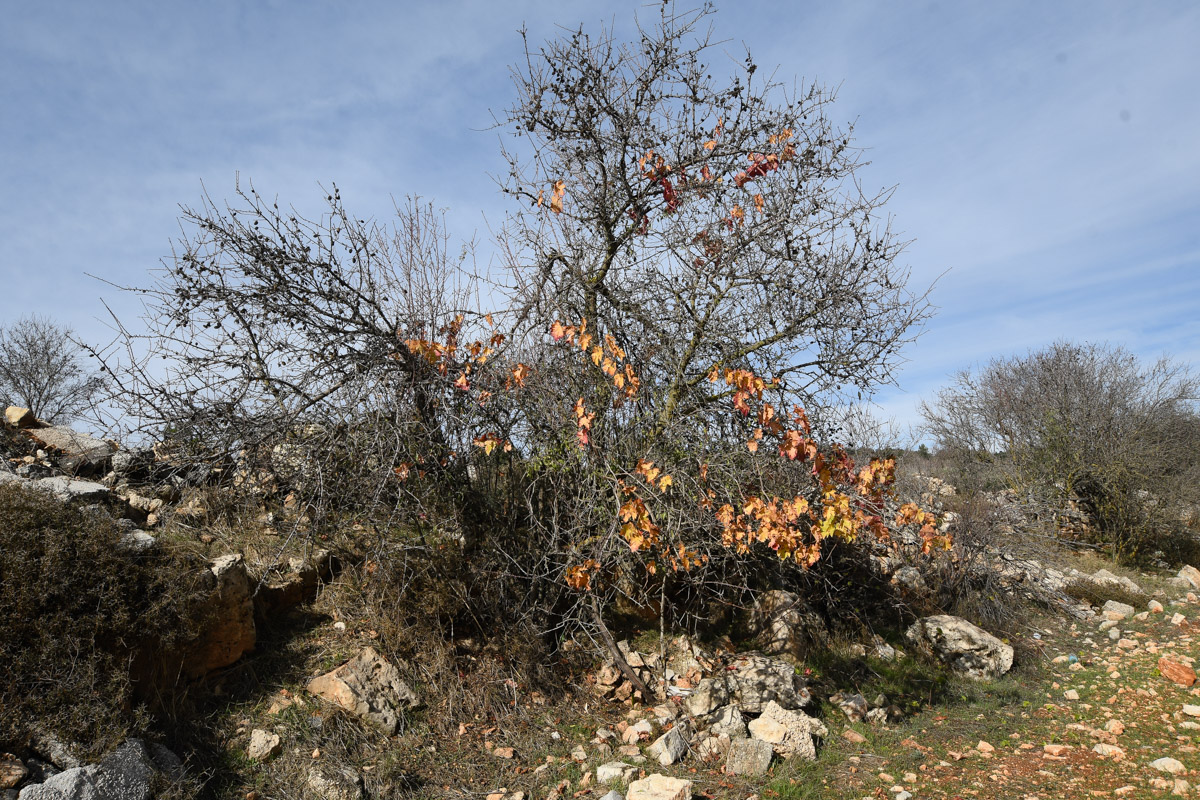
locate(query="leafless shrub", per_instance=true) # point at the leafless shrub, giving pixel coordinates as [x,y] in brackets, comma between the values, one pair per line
[1089,420]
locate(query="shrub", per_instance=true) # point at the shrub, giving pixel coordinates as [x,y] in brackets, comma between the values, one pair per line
[1087,420]
[76,607]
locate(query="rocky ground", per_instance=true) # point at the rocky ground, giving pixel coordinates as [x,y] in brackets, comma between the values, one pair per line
[1087,700]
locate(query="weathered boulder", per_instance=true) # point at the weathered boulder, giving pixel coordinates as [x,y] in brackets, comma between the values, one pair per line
[229,630]
[749,757]
[80,454]
[751,681]
[755,681]
[786,624]
[1116,612]
[615,771]
[1103,577]
[284,589]
[368,686]
[125,774]
[1191,575]
[967,649]
[20,417]
[727,721]
[790,733]
[659,787]
[669,748]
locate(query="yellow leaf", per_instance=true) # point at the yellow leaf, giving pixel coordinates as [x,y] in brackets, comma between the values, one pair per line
[665,483]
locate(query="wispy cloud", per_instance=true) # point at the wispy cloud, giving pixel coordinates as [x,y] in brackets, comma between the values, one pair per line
[1047,155]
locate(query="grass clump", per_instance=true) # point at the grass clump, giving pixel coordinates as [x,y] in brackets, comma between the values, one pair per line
[1098,593]
[76,607]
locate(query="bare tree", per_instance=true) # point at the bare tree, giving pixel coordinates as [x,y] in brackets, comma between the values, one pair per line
[1086,419]
[42,368]
[705,222]
[274,345]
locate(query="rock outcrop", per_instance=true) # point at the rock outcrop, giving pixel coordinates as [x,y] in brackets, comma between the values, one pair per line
[966,648]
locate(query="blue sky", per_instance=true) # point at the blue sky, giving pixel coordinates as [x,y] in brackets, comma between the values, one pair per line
[1046,154]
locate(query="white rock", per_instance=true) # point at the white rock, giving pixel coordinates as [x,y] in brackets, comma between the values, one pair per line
[659,787]
[967,649]
[263,745]
[1170,765]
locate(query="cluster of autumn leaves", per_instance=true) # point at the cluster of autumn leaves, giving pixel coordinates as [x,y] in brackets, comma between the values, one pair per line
[844,502]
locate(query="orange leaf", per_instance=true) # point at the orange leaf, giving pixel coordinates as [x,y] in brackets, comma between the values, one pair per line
[462,383]
[709,145]
[556,200]
[557,330]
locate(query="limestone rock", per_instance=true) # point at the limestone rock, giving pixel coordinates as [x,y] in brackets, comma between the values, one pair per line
[1105,578]
[1169,765]
[615,771]
[790,733]
[659,787]
[263,745]
[20,417]
[749,757]
[728,721]
[708,696]
[229,631]
[786,624]
[1191,575]
[1117,611]
[125,774]
[755,681]
[967,649]
[711,747]
[368,686]
[336,784]
[81,454]
[669,748]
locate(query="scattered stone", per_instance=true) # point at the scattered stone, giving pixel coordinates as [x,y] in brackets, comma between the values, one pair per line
[711,748]
[1109,751]
[368,686]
[789,732]
[853,736]
[615,771]
[1154,607]
[853,706]
[659,787]
[81,454]
[1191,711]
[1071,694]
[1169,765]
[1178,619]
[643,729]
[12,769]
[985,747]
[579,753]
[669,748]
[751,757]
[20,417]
[1176,671]
[1191,575]
[1115,727]
[613,795]
[264,745]
[508,753]
[728,721]
[967,649]
[336,784]
[1116,611]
